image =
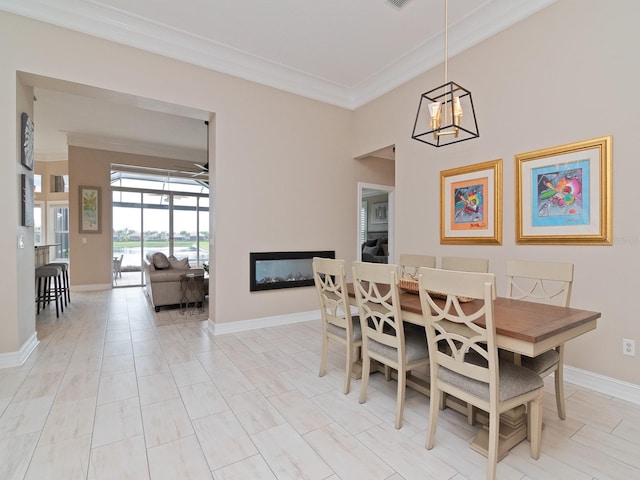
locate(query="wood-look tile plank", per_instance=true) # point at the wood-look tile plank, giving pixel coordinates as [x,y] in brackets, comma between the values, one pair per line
[122,460]
[289,455]
[223,440]
[179,459]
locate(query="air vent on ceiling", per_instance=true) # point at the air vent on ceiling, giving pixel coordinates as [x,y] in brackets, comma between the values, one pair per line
[398,3]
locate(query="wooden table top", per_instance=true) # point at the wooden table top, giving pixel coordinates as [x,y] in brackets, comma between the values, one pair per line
[526,321]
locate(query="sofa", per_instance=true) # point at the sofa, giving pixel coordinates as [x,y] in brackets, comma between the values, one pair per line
[376,248]
[162,278]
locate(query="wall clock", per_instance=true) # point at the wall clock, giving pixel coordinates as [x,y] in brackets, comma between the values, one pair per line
[27,141]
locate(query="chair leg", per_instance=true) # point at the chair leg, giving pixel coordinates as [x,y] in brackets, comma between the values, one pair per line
[492,456]
[323,358]
[366,367]
[55,294]
[348,369]
[60,292]
[534,427]
[559,381]
[402,388]
[434,409]
[39,295]
[66,279]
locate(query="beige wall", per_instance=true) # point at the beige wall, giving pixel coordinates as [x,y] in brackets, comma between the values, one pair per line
[47,169]
[284,175]
[568,73]
[91,262]
[23,289]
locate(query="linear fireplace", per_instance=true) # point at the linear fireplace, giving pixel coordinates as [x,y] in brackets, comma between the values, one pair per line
[272,270]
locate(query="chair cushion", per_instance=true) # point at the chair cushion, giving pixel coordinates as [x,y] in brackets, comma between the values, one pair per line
[415,345]
[514,381]
[342,333]
[160,260]
[542,362]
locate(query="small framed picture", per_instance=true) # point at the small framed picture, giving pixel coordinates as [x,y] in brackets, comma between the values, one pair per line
[379,213]
[90,221]
[471,204]
[26,152]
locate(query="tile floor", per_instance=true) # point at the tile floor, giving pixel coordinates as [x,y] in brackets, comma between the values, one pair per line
[116,391]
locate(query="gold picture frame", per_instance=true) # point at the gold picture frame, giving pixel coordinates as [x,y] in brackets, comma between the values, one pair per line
[471,204]
[90,205]
[564,194]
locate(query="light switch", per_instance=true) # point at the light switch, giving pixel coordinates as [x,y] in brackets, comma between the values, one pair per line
[20,241]
[84,240]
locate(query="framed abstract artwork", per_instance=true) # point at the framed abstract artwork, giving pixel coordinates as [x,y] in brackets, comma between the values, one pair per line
[563,194]
[26,139]
[90,221]
[471,204]
[379,213]
[27,200]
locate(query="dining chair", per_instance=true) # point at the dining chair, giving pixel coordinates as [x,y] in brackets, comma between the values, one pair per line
[409,264]
[549,283]
[465,264]
[464,356]
[385,337]
[117,267]
[337,322]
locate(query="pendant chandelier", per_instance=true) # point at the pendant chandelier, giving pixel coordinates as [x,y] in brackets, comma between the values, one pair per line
[445,113]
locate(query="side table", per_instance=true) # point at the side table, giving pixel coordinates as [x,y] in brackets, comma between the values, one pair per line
[192,293]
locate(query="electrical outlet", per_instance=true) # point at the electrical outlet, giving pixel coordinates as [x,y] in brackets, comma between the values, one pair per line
[629,347]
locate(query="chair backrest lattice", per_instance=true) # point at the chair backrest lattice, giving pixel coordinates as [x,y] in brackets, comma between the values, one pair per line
[457,341]
[330,281]
[542,282]
[377,294]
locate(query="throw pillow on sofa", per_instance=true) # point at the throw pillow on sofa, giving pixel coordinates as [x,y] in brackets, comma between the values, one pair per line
[160,261]
[181,264]
[371,250]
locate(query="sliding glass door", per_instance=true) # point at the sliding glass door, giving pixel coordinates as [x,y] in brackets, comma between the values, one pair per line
[148,221]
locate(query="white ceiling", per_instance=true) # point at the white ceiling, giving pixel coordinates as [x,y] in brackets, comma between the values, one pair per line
[342,52]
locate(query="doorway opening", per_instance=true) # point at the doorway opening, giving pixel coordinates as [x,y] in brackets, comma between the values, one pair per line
[156,211]
[376,223]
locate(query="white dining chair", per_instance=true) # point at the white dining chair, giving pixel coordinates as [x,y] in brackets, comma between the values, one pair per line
[465,264]
[337,322]
[409,264]
[464,357]
[385,337]
[549,283]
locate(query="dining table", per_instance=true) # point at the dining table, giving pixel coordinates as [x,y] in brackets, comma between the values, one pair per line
[522,328]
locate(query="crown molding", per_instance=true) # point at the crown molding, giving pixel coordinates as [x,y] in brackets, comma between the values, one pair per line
[114,25]
[136,147]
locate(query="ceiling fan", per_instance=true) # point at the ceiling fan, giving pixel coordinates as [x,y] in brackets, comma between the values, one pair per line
[204,167]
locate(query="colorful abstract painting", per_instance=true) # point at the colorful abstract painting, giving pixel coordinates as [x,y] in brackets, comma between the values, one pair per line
[469,205]
[561,194]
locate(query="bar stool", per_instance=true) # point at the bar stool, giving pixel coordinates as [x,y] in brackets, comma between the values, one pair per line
[44,292]
[65,286]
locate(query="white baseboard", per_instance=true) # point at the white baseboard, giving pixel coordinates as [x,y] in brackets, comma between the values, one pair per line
[15,359]
[91,288]
[600,383]
[256,323]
